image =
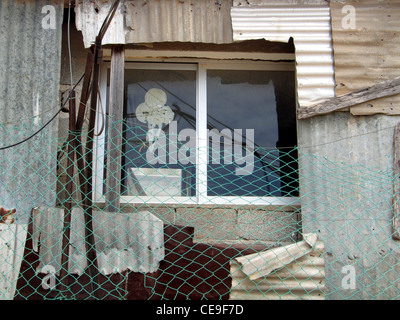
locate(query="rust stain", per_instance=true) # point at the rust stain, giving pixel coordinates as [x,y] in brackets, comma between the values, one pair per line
[7,216]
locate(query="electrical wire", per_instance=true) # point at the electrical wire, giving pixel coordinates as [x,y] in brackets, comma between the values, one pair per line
[108,18]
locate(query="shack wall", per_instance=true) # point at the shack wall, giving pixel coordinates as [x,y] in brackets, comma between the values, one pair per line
[230,224]
[345,161]
[30,59]
[353,219]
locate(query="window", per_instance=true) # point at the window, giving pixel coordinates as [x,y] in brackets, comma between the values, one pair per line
[206,132]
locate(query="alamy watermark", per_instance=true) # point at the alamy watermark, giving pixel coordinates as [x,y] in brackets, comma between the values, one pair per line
[49,20]
[49,280]
[349,280]
[227,146]
[154,112]
[349,20]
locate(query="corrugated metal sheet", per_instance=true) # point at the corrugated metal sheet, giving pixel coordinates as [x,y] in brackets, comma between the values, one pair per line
[304,278]
[30,58]
[29,97]
[310,28]
[369,53]
[247,3]
[133,241]
[147,21]
[12,246]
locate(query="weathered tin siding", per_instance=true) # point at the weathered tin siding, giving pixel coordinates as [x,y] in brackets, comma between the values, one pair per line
[29,97]
[366,41]
[345,160]
[147,21]
[310,28]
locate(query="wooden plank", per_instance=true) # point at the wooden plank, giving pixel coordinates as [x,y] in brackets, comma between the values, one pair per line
[77,142]
[88,187]
[380,90]
[396,186]
[70,188]
[114,145]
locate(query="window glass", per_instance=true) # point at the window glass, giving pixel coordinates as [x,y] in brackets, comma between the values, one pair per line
[159,133]
[252,131]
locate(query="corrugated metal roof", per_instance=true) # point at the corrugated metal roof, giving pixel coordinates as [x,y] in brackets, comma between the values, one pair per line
[147,21]
[368,54]
[303,278]
[30,59]
[310,28]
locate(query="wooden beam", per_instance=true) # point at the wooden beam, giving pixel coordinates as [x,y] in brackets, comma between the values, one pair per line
[91,253]
[66,239]
[396,186]
[380,90]
[114,144]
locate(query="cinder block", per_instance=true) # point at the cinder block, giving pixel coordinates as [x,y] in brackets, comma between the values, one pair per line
[210,225]
[268,226]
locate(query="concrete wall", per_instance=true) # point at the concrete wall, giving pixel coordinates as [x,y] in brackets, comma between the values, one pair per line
[346,186]
[270,225]
[29,87]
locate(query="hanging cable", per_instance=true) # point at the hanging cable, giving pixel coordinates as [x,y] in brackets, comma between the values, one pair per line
[46,124]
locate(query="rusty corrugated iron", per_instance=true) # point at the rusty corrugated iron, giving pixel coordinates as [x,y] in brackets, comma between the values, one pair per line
[7,216]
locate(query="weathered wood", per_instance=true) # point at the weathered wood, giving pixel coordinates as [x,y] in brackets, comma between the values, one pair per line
[380,90]
[396,186]
[69,187]
[114,145]
[78,145]
[88,187]
[85,91]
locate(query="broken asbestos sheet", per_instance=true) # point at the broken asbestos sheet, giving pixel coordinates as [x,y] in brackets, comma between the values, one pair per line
[123,241]
[259,265]
[294,271]
[12,245]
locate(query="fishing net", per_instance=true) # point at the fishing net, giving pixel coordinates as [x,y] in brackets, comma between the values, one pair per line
[296,226]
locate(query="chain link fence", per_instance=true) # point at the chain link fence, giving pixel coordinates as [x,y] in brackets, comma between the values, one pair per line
[303,227]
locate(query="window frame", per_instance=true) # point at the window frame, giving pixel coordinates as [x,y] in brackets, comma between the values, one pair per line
[200,66]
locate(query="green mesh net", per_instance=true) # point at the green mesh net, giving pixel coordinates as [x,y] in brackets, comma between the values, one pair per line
[296,226]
